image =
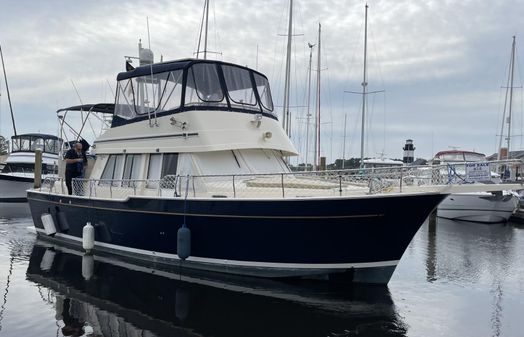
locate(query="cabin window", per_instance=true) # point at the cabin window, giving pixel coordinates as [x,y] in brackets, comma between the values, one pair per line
[203,85]
[25,144]
[28,168]
[113,170]
[169,164]
[160,166]
[131,169]
[15,144]
[239,86]
[264,92]
[109,170]
[37,143]
[154,170]
[51,146]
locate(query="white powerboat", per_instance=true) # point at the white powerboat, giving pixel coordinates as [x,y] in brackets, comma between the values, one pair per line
[486,207]
[17,175]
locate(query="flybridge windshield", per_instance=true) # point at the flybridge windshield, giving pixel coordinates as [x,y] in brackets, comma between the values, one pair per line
[30,143]
[461,156]
[201,85]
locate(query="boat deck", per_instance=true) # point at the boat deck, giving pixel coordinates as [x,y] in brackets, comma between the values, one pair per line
[443,179]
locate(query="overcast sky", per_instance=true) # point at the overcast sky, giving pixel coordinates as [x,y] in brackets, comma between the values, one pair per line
[441,63]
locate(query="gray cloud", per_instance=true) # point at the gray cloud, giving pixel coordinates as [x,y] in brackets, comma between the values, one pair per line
[441,62]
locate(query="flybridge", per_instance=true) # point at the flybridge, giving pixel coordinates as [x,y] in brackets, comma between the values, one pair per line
[190,84]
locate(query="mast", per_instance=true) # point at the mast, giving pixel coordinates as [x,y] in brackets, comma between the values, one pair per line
[285,115]
[512,71]
[207,21]
[7,89]
[317,108]
[364,87]
[308,116]
[509,90]
[203,30]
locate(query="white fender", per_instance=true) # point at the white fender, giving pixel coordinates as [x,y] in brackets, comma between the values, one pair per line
[88,237]
[49,224]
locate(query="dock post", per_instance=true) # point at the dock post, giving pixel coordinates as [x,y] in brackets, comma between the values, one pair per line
[38,168]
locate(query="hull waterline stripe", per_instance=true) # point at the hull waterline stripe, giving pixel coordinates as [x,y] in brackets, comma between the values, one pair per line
[274,265]
[215,215]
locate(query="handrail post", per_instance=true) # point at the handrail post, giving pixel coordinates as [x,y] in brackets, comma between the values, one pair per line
[111,188]
[282,181]
[194,190]
[234,189]
[401,176]
[340,184]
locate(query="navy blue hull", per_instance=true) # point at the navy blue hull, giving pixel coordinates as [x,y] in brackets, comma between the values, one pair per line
[251,232]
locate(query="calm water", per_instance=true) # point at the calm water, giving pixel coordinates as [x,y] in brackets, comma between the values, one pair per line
[455,279]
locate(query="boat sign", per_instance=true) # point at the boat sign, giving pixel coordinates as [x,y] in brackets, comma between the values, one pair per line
[478,172]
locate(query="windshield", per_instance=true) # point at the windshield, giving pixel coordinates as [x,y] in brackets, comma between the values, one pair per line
[145,94]
[32,143]
[203,84]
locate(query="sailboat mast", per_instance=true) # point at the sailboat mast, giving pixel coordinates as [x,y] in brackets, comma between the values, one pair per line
[317,110]
[285,115]
[364,87]
[509,90]
[512,70]
[7,89]
[308,117]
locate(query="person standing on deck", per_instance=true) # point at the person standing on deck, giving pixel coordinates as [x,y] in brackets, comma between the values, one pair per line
[74,165]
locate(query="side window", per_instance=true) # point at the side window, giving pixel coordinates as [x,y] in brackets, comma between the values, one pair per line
[160,166]
[153,170]
[113,170]
[264,92]
[131,169]
[169,164]
[239,86]
[109,170]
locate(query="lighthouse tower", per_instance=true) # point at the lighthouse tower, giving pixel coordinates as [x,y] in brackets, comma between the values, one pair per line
[409,152]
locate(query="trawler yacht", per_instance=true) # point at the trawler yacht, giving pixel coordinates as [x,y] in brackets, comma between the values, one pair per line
[193,173]
[17,175]
[483,207]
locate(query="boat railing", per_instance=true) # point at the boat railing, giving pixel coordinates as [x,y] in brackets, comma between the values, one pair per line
[295,184]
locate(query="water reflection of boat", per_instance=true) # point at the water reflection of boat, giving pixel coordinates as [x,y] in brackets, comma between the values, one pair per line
[102,293]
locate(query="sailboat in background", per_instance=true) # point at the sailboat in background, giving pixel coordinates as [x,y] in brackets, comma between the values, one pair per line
[370,162]
[483,207]
[17,174]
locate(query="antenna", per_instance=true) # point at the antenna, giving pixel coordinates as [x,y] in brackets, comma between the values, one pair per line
[317,107]
[152,78]
[7,89]
[256,60]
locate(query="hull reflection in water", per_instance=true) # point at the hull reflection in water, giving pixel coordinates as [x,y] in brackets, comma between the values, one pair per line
[110,297]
